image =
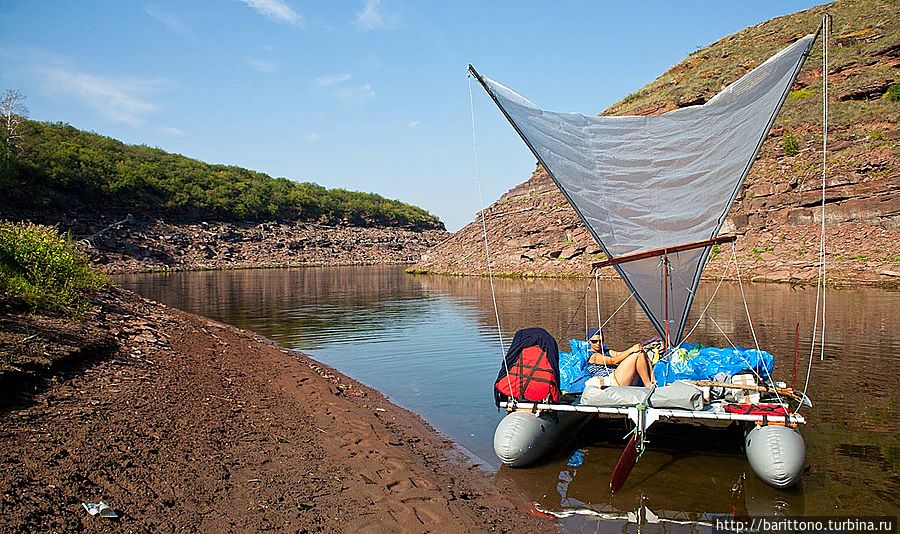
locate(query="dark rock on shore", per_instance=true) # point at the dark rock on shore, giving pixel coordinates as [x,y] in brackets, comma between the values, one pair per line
[166,246]
[119,243]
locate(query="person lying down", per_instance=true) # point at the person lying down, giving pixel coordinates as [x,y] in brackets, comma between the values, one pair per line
[629,367]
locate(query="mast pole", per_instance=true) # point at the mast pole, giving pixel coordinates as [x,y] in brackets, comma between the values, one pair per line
[665,263]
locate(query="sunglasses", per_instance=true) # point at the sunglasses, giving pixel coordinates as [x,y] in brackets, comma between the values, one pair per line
[594,340]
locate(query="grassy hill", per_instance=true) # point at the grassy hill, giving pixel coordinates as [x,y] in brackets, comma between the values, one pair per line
[63,169]
[864,47]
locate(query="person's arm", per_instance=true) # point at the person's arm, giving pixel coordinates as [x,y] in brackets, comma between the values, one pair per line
[602,359]
[615,356]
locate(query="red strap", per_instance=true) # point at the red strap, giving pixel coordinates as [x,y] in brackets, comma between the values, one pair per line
[756,409]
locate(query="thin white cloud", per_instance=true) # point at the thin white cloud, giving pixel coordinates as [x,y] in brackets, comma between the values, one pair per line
[124,100]
[276,10]
[332,79]
[372,17]
[413,124]
[311,137]
[167,20]
[349,94]
[357,94]
[171,130]
[261,66]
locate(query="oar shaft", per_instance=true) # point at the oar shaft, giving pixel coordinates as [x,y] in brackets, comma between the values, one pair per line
[710,383]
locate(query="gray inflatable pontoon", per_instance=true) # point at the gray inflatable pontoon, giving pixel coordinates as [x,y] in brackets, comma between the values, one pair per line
[523,437]
[777,454]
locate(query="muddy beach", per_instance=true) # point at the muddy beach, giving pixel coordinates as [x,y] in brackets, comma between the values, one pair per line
[186,424]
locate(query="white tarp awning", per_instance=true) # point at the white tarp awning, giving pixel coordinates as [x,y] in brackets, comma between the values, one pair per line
[641,183]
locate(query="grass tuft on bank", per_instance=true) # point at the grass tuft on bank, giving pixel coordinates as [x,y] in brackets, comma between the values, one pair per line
[41,271]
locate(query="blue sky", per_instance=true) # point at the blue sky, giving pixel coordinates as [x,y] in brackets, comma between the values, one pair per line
[365,95]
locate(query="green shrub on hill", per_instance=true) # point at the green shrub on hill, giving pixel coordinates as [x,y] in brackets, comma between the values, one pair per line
[71,166]
[791,144]
[893,92]
[41,271]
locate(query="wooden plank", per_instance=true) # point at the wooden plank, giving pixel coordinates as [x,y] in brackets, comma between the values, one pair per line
[663,251]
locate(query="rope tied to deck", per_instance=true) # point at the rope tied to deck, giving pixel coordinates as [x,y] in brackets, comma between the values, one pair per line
[487,252]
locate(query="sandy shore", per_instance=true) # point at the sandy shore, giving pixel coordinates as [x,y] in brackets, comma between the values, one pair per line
[193,425]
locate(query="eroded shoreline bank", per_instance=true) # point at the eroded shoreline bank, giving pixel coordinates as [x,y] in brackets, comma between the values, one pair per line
[192,424]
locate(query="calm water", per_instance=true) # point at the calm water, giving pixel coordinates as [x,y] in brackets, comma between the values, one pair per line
[431,345]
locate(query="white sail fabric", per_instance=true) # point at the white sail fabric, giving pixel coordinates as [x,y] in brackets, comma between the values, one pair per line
[641,183]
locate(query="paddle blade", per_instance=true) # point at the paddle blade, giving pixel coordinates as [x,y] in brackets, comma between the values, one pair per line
[624,465]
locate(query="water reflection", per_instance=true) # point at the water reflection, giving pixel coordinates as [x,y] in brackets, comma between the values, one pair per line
[431,344]
[688,478]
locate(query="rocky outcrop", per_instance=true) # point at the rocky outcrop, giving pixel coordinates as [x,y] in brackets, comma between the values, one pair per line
[532,230]
[131,246]
[118,243]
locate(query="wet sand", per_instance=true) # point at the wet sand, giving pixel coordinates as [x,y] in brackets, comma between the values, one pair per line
[198,426]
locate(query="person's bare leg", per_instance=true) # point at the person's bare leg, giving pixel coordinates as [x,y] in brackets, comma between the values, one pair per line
[625,372]
[643,368]
[632,367]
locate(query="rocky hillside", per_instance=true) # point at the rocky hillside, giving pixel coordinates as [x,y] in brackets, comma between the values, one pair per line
[117,243]
[157,245]
[533,231]
[137,243]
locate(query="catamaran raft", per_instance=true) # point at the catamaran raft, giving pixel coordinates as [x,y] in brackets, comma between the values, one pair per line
[654,192]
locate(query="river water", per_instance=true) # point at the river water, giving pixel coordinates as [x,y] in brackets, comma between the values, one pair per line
[431,344]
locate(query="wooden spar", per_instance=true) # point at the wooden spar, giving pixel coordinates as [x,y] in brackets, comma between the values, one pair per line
[663,251]
[710,383]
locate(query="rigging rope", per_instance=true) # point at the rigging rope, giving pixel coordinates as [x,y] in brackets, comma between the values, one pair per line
[587,317]
[737,269]
[577,308]
[599,326]
[722,279]
[608,319]
[826,20]
[586,312]
[747,362]
[487,255]
[820,279]
[728,339]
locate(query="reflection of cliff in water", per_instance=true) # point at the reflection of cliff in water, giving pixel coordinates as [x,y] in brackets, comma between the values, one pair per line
[283,303]
[558,306]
